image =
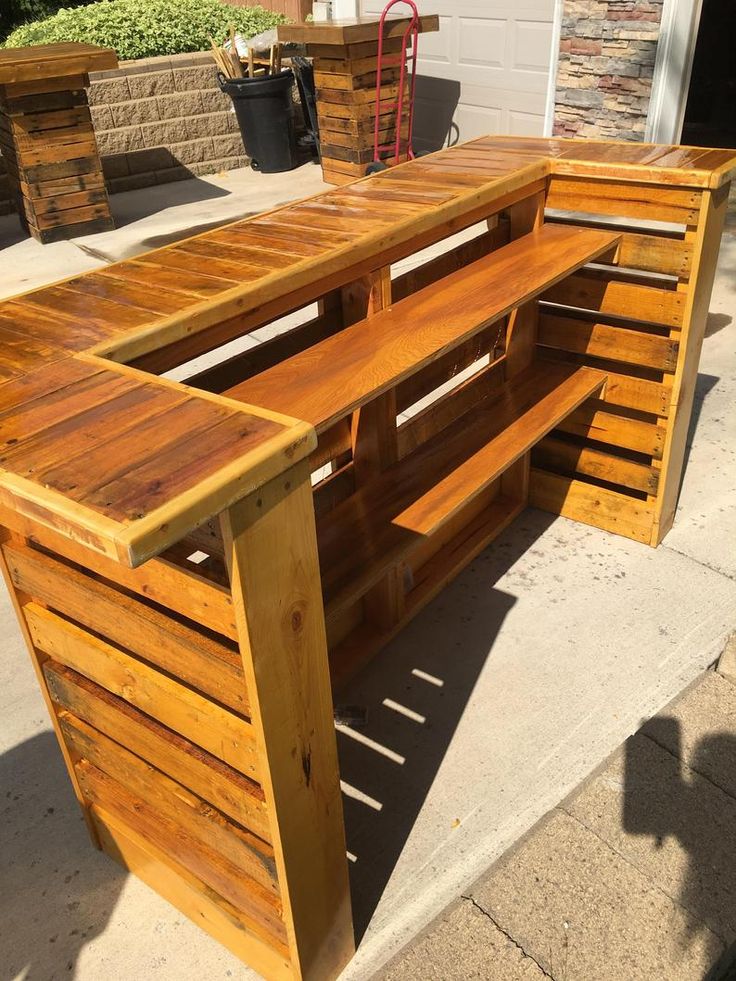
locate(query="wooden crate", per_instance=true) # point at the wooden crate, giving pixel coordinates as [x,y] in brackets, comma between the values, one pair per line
[177,552]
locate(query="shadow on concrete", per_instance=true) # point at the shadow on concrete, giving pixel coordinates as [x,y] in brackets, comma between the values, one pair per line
[130,206]
[703,385]
[716,322]
[666,800]
[10,231]
[57,891]
[435,103]
[415,694]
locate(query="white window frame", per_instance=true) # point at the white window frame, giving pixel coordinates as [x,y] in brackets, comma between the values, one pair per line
[672,70]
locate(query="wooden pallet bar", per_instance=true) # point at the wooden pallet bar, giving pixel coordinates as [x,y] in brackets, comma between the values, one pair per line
[176,551]
[47,139]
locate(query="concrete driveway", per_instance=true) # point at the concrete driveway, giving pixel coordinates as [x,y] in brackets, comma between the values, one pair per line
[525,674]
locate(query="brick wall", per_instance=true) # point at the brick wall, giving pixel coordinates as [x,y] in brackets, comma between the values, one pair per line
[606,61]
[159,120]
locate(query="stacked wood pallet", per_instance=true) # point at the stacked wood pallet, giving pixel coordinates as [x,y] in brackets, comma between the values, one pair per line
[346,72]
[48,142]
[177,552]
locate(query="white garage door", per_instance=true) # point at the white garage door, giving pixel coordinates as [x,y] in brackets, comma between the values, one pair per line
[485,71]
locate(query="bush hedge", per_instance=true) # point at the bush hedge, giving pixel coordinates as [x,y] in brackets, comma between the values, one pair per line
[146,28]
[15,12]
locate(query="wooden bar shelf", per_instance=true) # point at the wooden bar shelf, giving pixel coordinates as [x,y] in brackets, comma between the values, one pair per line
[197,567]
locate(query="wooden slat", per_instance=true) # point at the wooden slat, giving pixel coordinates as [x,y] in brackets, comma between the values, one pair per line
[260,913]
[252,856]
[183,710]
[592,505]
[229,791]
[596,290]
[668,254]
[569,458]
[625,388]
[181,650]
[595,421]
[624,199]
[603,341]
[189,895]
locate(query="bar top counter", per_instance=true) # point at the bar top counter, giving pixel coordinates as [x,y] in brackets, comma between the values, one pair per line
[100,448]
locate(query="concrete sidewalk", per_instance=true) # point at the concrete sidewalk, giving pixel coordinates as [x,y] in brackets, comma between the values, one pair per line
[486,712]
[634,876]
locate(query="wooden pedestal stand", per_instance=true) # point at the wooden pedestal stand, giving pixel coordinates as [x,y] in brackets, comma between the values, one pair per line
[345,57]
[47,139]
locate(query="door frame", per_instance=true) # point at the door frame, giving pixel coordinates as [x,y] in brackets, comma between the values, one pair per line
[554,59]
[673,66]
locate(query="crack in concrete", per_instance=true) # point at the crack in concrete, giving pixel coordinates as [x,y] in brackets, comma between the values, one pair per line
[704,565]
[506,934]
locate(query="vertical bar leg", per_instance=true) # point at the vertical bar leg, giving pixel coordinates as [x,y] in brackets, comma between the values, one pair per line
[374,438]
[521,337]
[706,245]
[271,545]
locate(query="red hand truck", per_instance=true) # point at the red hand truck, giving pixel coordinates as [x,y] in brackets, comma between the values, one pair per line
[410,36]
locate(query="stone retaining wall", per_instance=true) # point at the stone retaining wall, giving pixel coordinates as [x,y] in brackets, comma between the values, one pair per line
[159,120]
[606,62]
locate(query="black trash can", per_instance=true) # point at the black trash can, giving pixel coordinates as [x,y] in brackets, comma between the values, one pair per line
[266,119]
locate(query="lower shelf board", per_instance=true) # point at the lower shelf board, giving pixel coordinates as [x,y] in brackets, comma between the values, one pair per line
[380,525]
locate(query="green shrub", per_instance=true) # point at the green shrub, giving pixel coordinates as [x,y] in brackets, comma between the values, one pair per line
[145,28]
[15,12]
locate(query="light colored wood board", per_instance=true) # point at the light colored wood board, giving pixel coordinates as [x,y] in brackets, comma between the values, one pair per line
[229,791]
[203,722]
[36,63]
[285,661]
[180,589]
[596,421]
[252,856]
[38,661]
[168,643]
[596,290]
[669,255]
[353,30]
[625,200]
[187,894]
[601,340]
[333,378]
[562,457]
[591,505]
[623,388]
[257,907]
